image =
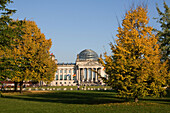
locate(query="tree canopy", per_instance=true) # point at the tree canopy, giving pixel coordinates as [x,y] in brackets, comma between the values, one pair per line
[31,56]
[135,69]
[24,50]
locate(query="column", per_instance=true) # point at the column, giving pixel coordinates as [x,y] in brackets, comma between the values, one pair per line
[87,75]
[76,73]
[96,77]
[71,74]
[94,74]
[83,75]
[58,74]
[79,76]
[91,75]
[67,78]
[99,71]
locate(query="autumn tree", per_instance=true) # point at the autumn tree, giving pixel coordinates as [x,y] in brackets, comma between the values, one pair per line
[135,69]
[32,56]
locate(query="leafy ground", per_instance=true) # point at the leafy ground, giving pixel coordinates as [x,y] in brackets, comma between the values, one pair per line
[79,102]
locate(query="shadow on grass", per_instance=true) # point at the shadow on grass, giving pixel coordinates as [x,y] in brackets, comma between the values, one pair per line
[157,100]
[161,100]
[81,97]
[72,97]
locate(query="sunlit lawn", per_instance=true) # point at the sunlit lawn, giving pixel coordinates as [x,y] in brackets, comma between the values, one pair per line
[79,102]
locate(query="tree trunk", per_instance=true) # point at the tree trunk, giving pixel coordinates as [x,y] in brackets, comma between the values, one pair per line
[136,99]
[21,85]
[15,86]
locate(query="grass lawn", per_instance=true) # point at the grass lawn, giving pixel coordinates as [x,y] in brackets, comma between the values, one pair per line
[79,102]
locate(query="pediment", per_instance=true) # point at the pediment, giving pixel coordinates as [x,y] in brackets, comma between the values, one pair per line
[91,64]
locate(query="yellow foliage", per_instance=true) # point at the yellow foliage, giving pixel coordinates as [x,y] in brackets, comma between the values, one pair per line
[135,68]
[31,56]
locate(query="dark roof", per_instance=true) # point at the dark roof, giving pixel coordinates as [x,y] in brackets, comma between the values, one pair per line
[66,63]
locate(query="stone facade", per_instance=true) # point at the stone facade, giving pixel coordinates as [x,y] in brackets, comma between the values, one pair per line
[83,72]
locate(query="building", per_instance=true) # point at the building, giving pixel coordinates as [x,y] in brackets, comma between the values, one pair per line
[82,72]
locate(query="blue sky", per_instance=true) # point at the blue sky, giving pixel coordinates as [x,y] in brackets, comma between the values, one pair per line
[75,25]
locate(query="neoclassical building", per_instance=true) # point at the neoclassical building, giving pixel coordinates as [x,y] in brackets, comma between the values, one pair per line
[82,72]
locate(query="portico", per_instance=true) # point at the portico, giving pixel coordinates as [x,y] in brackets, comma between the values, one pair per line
[88,74]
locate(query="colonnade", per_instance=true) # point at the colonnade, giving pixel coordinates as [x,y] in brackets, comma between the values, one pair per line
[87,74]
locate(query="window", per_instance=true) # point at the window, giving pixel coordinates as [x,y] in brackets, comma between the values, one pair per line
[56,83]
[61,77]
[64,82]
[56,77]
[70,71]
[65,77]
[57,71]
[69,77]
[61,71]
[60,82]
[65,71]
[74,78]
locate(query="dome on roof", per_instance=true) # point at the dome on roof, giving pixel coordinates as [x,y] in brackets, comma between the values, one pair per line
[88,54]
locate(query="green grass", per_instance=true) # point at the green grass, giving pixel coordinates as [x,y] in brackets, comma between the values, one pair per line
[79,102]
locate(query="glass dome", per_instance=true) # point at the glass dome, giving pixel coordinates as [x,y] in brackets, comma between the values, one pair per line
[88,54]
